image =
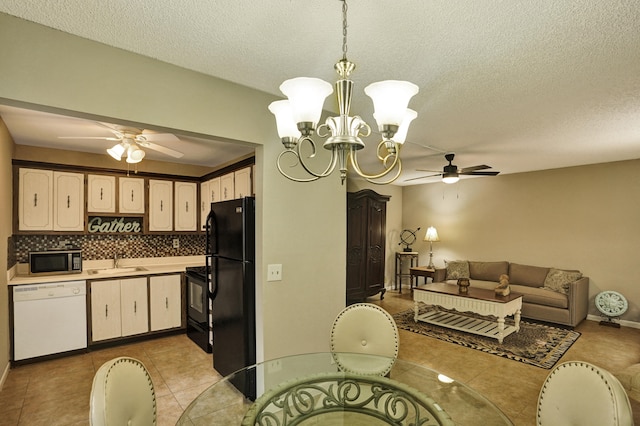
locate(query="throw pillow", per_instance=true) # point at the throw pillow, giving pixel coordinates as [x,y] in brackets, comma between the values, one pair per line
[558,280]
[457,269]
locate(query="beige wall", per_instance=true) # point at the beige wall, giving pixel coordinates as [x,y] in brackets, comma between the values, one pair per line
[6,152]
[300,226]
[585,218]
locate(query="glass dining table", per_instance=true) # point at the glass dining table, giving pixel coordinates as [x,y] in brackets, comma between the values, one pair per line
[339,389]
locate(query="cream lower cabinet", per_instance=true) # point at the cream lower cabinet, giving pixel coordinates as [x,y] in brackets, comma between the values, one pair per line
[165,301]
[118,308]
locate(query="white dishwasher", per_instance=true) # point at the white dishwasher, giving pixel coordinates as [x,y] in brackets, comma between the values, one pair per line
[49,318]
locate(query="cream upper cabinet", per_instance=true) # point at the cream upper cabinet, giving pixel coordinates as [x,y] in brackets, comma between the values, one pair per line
[186,207]
[131,195]
[160,205]
[68,206]
[227,190]
[242,182]
[35,195]
[165,300]
[209,193]
[101,194]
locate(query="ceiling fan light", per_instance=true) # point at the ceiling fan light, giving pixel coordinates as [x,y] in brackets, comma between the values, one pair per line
[450,178]
[134,154]
[284,119]
[306,96]
[116,151]
[390,99]
[401,134]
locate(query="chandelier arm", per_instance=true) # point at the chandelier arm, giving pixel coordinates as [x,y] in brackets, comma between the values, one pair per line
[282,172]
[388,168]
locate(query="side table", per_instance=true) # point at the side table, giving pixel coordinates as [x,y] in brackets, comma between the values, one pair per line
[400,257]
[420,271]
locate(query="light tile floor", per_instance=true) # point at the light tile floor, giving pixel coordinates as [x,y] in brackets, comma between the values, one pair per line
[57,392]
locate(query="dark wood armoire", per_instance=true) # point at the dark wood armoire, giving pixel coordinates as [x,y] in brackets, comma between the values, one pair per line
[366,227]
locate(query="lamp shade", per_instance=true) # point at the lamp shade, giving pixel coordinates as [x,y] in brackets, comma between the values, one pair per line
[390,99]
[284,119]
[306,96]
[134,154]
[116,151]
[431,235]
[401,134]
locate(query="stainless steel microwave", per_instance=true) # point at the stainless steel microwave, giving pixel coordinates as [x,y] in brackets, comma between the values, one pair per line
[67,261]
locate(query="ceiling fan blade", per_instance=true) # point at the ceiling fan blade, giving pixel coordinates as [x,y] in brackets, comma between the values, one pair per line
[89,137]
[479,173]
[162,149]
[473,168]
[422,177]
[158,137]
[432,171]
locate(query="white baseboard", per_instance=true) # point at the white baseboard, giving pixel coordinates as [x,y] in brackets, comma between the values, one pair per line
[5,374]
[624,323]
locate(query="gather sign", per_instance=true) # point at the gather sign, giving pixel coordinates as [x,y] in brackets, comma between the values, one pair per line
[114,225]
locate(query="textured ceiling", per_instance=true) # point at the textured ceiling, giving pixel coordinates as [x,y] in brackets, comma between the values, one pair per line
[518,85]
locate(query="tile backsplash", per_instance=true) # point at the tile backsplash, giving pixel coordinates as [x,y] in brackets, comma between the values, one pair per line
[96,247]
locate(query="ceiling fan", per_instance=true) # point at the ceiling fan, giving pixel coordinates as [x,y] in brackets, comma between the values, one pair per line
[451,174]
[130,139]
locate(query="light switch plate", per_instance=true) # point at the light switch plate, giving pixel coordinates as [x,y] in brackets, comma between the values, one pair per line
[274,272]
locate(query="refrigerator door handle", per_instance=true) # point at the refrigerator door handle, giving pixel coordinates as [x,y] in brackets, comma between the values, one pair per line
[209,232]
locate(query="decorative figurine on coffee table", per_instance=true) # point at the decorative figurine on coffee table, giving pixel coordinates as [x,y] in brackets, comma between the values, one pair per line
[503,288]
[463,285]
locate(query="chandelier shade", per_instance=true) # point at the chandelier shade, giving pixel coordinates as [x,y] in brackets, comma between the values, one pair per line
[390,99]
[306,96]
[285,123]
[401,134]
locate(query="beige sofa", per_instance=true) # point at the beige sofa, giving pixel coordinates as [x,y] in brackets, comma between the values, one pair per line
[548,294]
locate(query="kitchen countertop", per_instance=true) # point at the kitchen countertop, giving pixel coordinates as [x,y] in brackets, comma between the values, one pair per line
[19,274]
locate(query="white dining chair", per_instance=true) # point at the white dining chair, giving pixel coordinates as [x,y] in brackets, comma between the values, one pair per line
[122,394]
[579,393]
[364,328]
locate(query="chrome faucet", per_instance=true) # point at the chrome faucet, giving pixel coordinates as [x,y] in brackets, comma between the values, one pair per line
[116,259]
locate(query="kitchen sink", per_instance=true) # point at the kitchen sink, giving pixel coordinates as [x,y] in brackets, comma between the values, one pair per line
[111,271]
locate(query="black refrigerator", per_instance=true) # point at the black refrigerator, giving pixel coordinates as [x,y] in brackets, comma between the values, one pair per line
[231,258]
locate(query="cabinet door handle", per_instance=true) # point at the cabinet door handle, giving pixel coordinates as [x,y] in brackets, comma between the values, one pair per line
[186,206]
[160,205]
[68,201]
[135,307]
[35,200]
[166,302]
[132,195]
[213,195]
[101,193]
[225,193]
[106,311]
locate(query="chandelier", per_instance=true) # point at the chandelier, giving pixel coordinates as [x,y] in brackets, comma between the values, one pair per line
[298,116]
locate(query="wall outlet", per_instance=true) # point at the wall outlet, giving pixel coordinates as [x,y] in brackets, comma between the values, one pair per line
[176,243]
[274,272]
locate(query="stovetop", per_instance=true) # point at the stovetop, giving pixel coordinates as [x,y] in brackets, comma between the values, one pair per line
[197,271]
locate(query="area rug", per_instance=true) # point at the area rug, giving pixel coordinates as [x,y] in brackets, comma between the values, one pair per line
[535,344]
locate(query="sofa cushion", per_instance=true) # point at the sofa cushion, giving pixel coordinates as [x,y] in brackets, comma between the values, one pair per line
[488,271]
[541,296]
[559,280]
[457,269]
[532,276]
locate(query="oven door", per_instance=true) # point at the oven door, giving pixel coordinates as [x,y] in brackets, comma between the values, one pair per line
[197,301]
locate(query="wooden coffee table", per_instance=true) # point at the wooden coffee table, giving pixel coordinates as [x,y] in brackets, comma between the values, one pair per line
[477,300]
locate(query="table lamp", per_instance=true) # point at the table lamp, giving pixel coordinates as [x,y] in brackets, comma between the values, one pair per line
[431,236]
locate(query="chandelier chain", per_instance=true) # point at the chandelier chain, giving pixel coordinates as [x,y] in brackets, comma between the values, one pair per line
[344,30]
